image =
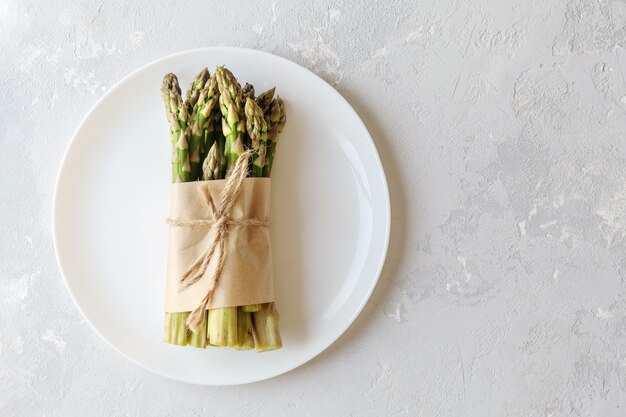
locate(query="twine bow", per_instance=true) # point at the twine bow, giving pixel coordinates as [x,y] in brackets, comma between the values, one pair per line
[222,223]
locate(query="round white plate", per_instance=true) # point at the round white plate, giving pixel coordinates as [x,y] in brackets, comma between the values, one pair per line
[330,218]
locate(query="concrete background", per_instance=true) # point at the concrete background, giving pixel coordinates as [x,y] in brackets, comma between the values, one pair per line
[501,126]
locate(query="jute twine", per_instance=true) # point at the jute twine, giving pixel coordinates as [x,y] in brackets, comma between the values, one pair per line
[222,223]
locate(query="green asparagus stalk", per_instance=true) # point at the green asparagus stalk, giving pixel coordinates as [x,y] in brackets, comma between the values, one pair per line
[265,320]
[205,97]
[177,111]
[245,338]
[196,86]
[248,91]
[201,137]
[198,338]
[176,332]
[211,167]
[276,119]
[218,135]
[171,93]
[222,326]
[194,92]
[266,328]
[265,98]
[175,327]
[182,153]
[213,117]
[256,127]
[233,123]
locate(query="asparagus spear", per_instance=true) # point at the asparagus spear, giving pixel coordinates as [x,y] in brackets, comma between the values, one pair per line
[176,331]
[266,329]
[256,127]
[218,135]
[213,117]
[194,92]
[276,120]
[265,98]
[175,327]
[265,321]
[171,93]
[211,167]
[201,137]
[196,86]
[182,152]
[198,338]
[221,328]
[177,111]
[248,91]
[222,325]
[170,90]
[232,326]
[233,124]
[245,338]
[181,145]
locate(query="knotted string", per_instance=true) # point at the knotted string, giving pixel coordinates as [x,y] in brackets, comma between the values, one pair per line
[222,224]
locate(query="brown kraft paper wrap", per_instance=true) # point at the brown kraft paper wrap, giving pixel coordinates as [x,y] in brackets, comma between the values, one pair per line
[246,277]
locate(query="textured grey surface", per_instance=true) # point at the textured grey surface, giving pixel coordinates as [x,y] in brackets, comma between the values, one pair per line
[501,127]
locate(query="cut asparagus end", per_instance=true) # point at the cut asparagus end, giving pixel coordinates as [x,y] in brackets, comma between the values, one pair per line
[198,339]
[251,308]
[244,330]
[223,326]
[176,328]
[266,328]
[248,343]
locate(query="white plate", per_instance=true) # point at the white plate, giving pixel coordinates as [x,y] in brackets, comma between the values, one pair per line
[330,218]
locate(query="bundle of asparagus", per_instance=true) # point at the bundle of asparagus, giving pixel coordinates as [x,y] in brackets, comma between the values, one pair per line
[209,131]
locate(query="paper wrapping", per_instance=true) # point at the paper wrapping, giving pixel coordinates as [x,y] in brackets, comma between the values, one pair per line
[247,274]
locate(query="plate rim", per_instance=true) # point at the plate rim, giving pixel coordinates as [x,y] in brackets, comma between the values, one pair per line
[385,198]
